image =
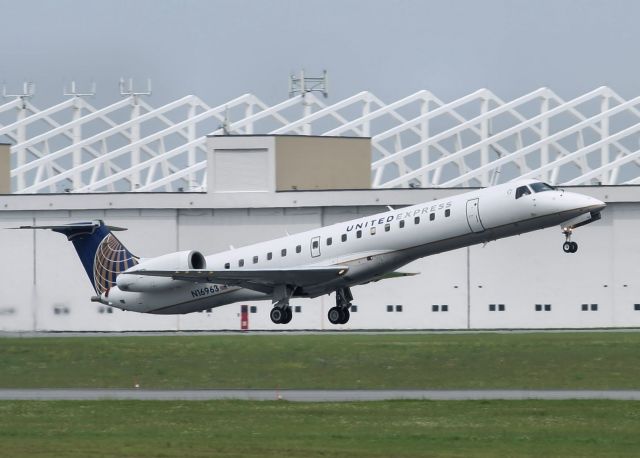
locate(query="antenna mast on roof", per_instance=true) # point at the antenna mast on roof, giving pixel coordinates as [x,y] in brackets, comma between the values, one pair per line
[303,85]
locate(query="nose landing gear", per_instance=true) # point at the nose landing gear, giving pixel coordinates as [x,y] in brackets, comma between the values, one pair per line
[340,313]
[568,246]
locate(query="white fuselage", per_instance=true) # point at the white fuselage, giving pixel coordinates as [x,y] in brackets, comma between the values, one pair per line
[373,246]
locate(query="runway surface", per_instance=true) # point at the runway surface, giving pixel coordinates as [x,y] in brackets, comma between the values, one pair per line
[311,395]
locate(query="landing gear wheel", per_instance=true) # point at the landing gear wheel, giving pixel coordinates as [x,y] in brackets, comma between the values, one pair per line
[574,247]
[288,314]
[277,314]
[567,246]
[345,316]
[334,315]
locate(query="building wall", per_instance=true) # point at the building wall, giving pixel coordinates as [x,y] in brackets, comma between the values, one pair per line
[5,168]
[44,287]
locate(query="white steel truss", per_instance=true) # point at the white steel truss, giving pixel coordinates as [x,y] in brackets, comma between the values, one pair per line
[417,141]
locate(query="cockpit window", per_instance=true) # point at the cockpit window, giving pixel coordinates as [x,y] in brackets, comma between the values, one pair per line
[541,187]
[522,191]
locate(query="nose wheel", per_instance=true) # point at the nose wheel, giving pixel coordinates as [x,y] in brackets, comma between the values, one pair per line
[568,246]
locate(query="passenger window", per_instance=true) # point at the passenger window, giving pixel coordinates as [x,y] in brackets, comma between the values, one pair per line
[283,252]
[359,234]
[344,237]
[522,191]
[299,247]
[227,265]
[269,256]
[255,260]
[432,216]
[387,227]
[241,263]
[416,220]
[373,231]
[401,223]
[315,244]
[447,213]
[329,241]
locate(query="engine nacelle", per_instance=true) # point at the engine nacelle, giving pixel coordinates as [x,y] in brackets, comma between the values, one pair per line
[182,260]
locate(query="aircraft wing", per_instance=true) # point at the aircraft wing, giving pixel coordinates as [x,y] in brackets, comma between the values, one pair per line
[263,280]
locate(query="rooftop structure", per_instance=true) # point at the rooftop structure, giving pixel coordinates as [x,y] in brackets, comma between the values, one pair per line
[417,141]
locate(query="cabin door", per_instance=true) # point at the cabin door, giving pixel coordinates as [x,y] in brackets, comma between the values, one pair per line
[473,216]
[315,247]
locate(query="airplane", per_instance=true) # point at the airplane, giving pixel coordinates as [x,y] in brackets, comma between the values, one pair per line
[326,260]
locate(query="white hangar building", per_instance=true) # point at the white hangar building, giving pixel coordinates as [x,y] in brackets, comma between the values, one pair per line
[189,176]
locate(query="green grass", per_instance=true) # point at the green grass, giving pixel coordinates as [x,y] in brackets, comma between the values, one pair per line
[274,429]
[602,360]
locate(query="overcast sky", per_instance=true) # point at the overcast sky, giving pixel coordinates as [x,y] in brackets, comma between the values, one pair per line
[221,49]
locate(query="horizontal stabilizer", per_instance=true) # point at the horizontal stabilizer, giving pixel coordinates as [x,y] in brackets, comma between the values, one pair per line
[256,279]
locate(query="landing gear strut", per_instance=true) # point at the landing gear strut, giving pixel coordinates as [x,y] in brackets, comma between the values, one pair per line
[568,246]
[340,313]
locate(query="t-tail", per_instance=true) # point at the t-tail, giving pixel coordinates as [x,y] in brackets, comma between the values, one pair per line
[103,256]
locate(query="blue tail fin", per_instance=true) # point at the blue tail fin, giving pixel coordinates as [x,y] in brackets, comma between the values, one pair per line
[102,254]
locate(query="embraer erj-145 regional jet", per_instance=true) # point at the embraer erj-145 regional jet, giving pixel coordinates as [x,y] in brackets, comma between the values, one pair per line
[324,260]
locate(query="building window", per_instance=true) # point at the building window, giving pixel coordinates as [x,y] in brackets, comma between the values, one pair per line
[416,220]
[329,241]
[269,256]
[353,308]
[253,309]
[585,307]
[283,252]
[227,265]
[501,307]
[359,234]
[447,213]
[432,216]
[344,237]
[398,308]
[389,308]
[60,310]
[387,227]
[444,308]
[297,308]
[435,308]
[373,231]
[241,263]
[299,247]
[401,223]
[594,307]
[255,260]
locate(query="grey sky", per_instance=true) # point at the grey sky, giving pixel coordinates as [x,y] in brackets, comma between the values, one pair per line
[219,50]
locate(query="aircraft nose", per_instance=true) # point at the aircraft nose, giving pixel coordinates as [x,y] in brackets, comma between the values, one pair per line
[595,204]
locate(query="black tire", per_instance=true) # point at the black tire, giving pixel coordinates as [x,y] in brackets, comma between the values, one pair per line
[277,315]
[288,314]
[574,247]
[567,247]
[334,315]
[345,316]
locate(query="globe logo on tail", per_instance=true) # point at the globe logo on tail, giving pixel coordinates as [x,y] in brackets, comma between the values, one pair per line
[111,259]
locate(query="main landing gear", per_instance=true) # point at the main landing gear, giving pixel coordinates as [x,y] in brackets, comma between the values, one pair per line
[340,313]
[281,312]
[281,315]
[568,246]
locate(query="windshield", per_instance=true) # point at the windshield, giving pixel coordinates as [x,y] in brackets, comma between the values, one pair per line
[541,187]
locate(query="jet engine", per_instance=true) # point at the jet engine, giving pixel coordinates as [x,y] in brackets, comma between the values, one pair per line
[182,260]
